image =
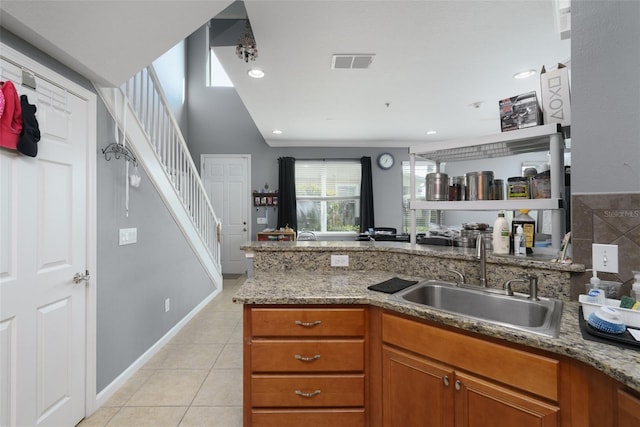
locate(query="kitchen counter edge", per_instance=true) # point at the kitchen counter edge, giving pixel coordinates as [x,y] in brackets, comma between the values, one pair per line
[350,288]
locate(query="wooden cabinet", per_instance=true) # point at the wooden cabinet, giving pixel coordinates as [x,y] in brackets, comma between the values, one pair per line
[628,409]
[305,366]
[484,403]
[416,391]
[435,377]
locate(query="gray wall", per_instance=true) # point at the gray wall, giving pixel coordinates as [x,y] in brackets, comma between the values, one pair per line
[605,98]
[220,124]
[606,135]
[132,281]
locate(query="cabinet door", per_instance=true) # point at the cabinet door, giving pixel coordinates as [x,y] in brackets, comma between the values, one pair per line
[415,391]
[628,410]
[480,403]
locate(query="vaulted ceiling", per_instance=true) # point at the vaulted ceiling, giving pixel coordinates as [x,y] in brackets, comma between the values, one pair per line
[437,65]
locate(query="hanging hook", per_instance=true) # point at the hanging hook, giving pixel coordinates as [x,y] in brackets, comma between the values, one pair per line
[118,150]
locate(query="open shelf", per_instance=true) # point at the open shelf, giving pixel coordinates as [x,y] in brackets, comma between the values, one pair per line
[530,140]
[490,205]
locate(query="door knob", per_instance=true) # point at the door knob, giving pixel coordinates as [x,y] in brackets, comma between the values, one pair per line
[79,277]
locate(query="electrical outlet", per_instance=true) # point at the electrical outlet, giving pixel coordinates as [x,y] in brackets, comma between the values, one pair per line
[262,220]
[339,260]
[167,304]
[605,258]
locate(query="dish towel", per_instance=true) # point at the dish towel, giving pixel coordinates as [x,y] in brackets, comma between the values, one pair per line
[392,285]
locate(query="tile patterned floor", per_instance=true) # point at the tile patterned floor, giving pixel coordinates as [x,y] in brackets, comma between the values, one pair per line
[194,380]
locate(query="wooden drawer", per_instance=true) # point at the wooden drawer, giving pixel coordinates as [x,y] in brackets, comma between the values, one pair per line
[315,418]
[307,355]
[318,322]
[290,391]
[530,372]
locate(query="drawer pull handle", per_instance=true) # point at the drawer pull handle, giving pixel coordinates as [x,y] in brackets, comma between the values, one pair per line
[303,394]
[308,324]
[307,359]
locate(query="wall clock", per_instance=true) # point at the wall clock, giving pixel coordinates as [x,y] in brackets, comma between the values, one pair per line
[385,160]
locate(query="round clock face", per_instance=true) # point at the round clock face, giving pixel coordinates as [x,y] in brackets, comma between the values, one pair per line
[385,160]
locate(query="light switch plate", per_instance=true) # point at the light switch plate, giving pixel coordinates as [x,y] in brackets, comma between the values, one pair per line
[605,258]
[262,220]
[128,236]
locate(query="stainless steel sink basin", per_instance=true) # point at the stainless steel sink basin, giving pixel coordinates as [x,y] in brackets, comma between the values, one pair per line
[541,317]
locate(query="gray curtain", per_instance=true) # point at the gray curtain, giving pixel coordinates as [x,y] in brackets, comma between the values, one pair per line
[287,210]
[366,196]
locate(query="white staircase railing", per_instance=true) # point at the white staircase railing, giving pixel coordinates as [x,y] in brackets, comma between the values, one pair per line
[149,102]
[148,105]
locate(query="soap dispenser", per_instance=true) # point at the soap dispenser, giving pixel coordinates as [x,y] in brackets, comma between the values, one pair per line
[596,295]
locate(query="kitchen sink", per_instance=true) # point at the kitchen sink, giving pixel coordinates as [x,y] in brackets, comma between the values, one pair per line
[540,317]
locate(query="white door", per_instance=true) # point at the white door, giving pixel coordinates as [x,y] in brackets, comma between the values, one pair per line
[43,225]
[226,179]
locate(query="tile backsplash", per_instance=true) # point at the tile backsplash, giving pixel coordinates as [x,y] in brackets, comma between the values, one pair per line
[609,219]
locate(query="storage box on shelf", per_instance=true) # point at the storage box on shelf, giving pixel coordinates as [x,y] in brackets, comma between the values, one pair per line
[535,139]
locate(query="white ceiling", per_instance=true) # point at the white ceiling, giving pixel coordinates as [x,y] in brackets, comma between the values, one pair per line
[107,41]
[433,59]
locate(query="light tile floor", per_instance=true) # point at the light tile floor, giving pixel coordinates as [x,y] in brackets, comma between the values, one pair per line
[194,380]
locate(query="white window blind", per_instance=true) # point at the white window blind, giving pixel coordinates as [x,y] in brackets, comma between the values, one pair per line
[328,195]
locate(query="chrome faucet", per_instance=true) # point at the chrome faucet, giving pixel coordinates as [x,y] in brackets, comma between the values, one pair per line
[533,285]
[461,279]
[507,286]
[481,254]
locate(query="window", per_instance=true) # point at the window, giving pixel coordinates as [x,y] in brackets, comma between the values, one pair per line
[217,76]
[424,217]
[328,196]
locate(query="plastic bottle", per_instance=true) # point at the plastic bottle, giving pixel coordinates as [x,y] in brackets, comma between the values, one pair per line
[518,242]
[500,235]
[528,227]
[596,295]
[635,288]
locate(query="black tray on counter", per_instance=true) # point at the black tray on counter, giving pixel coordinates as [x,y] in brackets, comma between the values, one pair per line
[624,340]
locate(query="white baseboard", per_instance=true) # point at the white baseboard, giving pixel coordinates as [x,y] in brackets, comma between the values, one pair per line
[109,390]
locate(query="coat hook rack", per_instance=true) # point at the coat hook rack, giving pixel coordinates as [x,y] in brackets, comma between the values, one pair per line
[119,150]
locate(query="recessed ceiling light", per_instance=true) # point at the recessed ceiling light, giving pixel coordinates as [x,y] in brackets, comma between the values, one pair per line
[431,132]
[255,73]
[524,74]
[277,132]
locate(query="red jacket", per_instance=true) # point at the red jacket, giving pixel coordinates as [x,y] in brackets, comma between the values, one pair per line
[11,117]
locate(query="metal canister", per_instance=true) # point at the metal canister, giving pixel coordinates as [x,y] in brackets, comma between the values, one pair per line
[437,186]
[479,185]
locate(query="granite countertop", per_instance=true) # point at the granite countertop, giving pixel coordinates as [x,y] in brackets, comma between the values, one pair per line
[350,287]
[541,259]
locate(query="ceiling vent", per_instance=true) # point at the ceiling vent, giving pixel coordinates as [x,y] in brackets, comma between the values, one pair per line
[345,62]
